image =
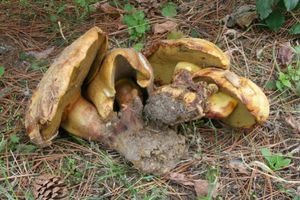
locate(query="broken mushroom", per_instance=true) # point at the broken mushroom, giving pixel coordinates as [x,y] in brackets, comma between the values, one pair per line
[123,77]
[59,91]
[118,64]
[247,101]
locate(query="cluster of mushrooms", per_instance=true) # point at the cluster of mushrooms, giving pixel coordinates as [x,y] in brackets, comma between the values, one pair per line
[132,102]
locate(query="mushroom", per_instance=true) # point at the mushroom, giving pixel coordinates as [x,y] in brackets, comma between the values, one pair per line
[252,104]
[122,77]
[194,52]
[118,64]
[59,91]
[179,99]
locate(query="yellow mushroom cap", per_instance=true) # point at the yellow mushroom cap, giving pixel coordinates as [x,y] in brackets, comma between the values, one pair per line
[167,53]
[253,105]
[118,64]
[61,86]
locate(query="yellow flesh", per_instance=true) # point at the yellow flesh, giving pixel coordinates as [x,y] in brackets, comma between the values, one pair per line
[187,66]
[197,51]
[220,105]
[83,120]
[241,117]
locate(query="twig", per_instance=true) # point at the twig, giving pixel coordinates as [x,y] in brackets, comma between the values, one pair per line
[61,32]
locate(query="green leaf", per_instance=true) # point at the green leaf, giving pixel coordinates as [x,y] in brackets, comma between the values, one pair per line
[141,28]
[275,161]
[286,83]
[279,85]
[266,153]
[14,139]
[1,71]
[129,20]
[295,29]
[169,10]
[138,46]
[129,8]
[275,20]
[53,18]
[290,4]
[264,7]
[139,15]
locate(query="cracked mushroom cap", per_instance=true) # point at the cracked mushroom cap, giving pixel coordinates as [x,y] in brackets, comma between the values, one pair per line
[165,55]
[252,104]
[61,85]
[118,64]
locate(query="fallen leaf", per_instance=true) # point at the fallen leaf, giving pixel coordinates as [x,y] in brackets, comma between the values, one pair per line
[42,54]
[285,54]
[201,187]
[164,27]
[238,165]
[181,179]
[294,123]
[243,17]
[106,8]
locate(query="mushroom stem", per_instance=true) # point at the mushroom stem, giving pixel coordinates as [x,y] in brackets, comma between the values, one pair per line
[82,119]
[126,91]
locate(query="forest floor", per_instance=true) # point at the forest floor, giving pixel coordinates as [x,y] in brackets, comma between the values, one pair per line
[229,159]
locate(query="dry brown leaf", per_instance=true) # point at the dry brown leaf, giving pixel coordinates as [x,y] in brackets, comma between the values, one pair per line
[181,179]
[285,54]
[164,27]
[294,123]
[238,165]
[108,9]
[201,187]
[243,17]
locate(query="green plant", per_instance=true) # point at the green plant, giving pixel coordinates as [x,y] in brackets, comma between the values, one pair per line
[273,13]
[82,8]
[291,78]
[136,21]
[169,10]
[1,71]
[212,177]
[138,46]
[275,161]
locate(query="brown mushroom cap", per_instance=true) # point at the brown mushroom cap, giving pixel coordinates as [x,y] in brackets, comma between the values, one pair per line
[253,105]
[167,53]
[118,64]
[61,86]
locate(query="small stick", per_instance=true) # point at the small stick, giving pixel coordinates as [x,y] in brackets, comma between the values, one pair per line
[61,32]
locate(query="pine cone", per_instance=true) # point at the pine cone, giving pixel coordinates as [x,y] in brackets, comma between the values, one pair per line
[48,187]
